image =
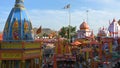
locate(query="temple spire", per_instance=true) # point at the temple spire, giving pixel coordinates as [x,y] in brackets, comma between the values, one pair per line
[19,3]
[18,26]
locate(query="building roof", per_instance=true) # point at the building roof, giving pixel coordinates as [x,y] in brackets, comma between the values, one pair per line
[84,25]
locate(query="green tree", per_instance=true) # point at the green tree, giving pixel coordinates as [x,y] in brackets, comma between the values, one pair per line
[64,32]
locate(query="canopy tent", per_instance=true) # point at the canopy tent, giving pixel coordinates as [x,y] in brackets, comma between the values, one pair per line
[76,43]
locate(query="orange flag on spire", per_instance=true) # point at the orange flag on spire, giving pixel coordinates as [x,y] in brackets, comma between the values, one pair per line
[39,30]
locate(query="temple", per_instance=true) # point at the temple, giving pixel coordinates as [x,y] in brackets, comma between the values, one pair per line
[18,49]
[18,25]
[102,32]
[84,31]
[114,29]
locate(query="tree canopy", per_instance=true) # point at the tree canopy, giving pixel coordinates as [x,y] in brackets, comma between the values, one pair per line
[64,31]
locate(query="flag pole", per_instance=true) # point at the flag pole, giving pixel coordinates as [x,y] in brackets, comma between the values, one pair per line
[69,24]
[69,20]
[87,15]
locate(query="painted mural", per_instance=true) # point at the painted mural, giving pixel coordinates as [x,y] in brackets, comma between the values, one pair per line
[15,32]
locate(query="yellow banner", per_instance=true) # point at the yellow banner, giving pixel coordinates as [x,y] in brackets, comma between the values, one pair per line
[32,51]
[32,45]
[11,55]
[11,45]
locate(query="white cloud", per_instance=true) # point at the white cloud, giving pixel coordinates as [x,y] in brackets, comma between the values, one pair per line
[105,4]
[55,19]
[104,1]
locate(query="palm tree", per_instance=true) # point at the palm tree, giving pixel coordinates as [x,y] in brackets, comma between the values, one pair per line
[65,31]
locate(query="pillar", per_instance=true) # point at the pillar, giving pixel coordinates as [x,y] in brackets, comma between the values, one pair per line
[110,44]
[9,63]
[16,64]
[31,63]
[35,63]
[3,64]
[12,64]
[23,63]
[0,63]
[39,64]
[19,62]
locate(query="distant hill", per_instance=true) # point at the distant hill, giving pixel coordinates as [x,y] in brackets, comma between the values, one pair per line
[45,31]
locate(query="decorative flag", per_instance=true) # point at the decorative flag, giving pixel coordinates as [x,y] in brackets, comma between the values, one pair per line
[67,6]
[39,30]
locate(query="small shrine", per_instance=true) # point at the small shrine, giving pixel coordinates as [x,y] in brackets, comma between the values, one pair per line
[84,31]
[102,32]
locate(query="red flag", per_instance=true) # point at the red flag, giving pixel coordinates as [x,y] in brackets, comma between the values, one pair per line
[1,37]
[39,30]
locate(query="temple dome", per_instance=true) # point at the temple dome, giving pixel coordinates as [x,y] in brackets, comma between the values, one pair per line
[18,25]
[84,25]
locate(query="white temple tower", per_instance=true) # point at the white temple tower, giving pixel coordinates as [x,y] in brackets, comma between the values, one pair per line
[114,29]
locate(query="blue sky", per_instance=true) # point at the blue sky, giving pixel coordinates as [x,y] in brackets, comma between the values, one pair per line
[49,13]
